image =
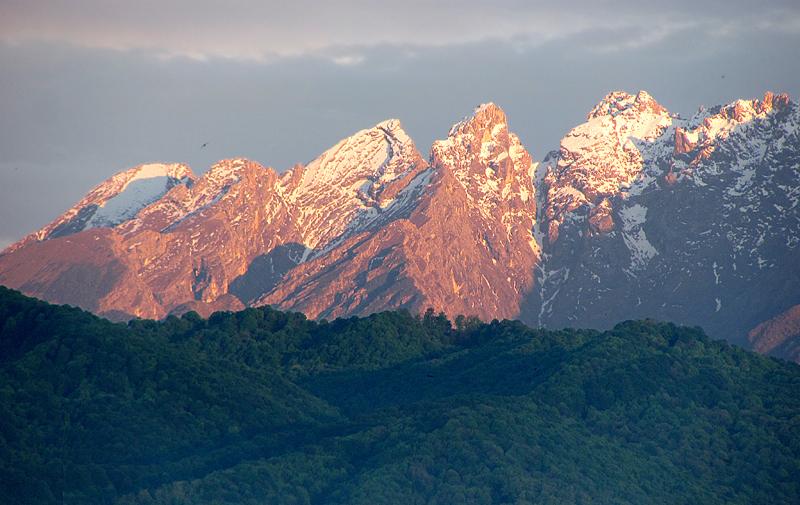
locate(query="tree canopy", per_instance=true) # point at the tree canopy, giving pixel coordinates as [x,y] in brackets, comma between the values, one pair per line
[262,406]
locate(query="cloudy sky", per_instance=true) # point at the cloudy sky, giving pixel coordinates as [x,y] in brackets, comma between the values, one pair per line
[91,87]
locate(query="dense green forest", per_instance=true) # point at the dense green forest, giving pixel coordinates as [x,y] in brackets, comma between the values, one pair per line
[262,406]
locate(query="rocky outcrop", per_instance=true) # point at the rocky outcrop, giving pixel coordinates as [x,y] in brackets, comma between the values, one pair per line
[778,336]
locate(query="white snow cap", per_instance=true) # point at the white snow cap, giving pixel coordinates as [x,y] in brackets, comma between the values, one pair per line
[140,186]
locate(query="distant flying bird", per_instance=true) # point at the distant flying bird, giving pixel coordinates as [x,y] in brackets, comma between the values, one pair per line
[723,76]
[204,144]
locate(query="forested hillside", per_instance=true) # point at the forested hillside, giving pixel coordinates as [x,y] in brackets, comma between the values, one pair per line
[261,406]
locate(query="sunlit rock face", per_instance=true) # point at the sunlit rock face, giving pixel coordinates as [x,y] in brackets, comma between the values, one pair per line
[156,239]
[779,335]
[463,244]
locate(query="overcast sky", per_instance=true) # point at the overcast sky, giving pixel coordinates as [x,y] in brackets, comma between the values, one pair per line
[89,87]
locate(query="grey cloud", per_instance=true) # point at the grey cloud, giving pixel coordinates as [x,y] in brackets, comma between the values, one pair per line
[264,31]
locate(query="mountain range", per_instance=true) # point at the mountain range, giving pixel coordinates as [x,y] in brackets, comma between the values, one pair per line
[638,213]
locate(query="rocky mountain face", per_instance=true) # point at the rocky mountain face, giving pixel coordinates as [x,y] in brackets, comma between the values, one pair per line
[639,213]
[699,223]
[464,246]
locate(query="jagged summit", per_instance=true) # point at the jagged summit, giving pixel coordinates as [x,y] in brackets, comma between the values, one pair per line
[474,133]
[481,150]
[484,114]
[697,138]
[617,102]
[494,168]
[742,110]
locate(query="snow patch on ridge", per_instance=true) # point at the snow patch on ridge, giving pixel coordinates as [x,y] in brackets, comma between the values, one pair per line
[353,185]
[149,184]
[642,251]
[116,200]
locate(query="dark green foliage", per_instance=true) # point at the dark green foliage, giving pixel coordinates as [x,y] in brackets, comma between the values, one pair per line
[262,406]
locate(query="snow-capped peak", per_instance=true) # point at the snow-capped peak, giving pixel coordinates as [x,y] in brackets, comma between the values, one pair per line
[363,171]
[367,154]
[604,155]
[118,183]
[141,187]
[117,199]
